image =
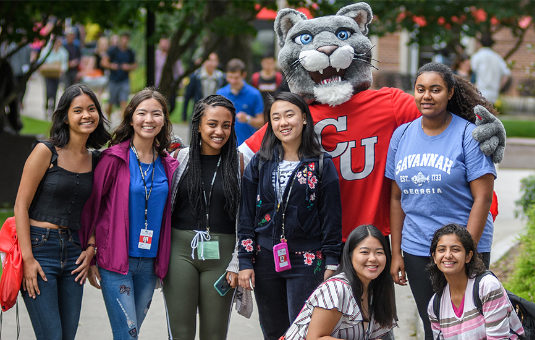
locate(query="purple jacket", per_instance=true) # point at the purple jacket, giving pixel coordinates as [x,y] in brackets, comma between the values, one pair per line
[106,212]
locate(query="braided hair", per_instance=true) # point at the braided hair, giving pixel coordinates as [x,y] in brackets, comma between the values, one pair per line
[229,159]
[465,95]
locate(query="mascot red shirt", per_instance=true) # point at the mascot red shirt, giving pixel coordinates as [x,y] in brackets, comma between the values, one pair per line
[327,60]
[357,134]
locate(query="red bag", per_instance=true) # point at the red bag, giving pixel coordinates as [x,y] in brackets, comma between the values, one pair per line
[12,265]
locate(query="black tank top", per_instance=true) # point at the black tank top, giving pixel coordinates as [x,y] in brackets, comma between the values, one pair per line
[61,194]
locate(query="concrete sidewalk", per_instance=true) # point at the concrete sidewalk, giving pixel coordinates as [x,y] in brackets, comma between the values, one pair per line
[94,323]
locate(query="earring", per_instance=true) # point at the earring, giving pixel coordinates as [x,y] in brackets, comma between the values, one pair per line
[304,122]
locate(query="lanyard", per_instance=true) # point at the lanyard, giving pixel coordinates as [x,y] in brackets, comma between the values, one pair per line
[284,202]
[147,192]
[208,200]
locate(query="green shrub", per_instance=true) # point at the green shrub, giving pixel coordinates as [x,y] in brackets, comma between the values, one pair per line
[527,199]
[522,281]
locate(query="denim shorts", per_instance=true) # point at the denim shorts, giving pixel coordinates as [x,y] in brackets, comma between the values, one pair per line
[56,310]
[119,91]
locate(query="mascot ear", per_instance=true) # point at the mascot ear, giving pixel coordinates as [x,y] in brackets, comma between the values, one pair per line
[360,12]
[286,19]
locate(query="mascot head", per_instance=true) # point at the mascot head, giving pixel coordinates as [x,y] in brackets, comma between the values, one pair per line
[326,59]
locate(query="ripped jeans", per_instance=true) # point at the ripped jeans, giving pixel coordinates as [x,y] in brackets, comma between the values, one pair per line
[128,297]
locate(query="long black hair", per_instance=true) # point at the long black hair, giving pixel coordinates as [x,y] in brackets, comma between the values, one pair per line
[309,141]
[472,268]
[59,131]
[465,95]
[381,288]
[125,130]
[229,159]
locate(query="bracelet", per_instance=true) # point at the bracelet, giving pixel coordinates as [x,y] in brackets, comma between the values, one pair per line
[331,267]
[91,245]
[248,118]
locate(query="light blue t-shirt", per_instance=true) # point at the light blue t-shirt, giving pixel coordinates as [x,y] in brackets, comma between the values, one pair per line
[248,100]
[434,175]
[136,205]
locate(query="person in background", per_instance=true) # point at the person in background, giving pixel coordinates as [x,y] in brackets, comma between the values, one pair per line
[203,83]
[55,64]
[204,206]
[268,79]
[490,69]
[439,175]
[128,215]
[246,99]
[358,302]
[55,184]
[75,55]
[160,59]
[120,60]
[290,210]
[96,75]
[461,67]
[454,268]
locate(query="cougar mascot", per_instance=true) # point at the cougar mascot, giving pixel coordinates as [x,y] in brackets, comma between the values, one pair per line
[327,61]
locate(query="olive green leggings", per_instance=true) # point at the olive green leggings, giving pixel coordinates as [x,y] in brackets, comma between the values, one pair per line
[189,285]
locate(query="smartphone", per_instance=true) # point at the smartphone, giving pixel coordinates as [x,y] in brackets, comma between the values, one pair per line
[221,285]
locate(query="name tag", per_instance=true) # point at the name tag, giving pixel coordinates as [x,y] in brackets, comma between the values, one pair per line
[210,250]
[145,239]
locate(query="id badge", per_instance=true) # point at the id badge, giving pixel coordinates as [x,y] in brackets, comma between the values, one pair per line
[145,239]
[209,250]
[281,257]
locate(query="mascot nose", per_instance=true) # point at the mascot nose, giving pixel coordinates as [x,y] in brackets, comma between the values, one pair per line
[328,50]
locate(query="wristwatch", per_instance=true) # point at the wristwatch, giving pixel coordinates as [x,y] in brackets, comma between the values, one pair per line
[248,118]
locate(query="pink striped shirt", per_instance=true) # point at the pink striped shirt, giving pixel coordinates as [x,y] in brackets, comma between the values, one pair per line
[495,323]
[336,293]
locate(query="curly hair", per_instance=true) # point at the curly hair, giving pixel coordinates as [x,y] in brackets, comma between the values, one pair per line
[229,159]
[465,95]
[472,268]
[382,287]
[59,131]
[125,131]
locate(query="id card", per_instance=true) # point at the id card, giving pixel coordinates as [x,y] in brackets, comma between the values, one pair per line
[209,250]
[281,257]
[145,239]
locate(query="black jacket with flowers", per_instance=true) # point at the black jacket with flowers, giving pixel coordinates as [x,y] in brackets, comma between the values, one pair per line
[313,213]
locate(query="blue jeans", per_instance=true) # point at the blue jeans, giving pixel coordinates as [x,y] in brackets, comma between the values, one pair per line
[128,297]
[280,296]
[56,311]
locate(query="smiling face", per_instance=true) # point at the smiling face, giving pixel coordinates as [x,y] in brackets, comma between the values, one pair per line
[287,121]
[450,255]
[368,259]
[148,119]
[215,128]
[431,94]
[82,116]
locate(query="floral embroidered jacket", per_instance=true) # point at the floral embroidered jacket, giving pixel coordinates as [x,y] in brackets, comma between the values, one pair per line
[313,213]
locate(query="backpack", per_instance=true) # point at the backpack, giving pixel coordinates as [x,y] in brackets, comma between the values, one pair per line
[525,310]
[11,264]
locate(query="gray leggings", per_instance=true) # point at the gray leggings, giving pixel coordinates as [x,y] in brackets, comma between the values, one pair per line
[189,285]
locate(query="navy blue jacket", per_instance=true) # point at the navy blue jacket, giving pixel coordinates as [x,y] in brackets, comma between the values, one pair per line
[313,213]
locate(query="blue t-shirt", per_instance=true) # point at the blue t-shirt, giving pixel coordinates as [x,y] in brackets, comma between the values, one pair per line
[248,100]
[119,56]
[434,175]
[136,205]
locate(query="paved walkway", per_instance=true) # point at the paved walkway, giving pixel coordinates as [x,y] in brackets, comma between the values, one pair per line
[94,323]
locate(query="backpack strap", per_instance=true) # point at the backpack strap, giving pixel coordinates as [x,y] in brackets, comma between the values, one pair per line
[436,304]
[475,292]
[278,79]
[255,78]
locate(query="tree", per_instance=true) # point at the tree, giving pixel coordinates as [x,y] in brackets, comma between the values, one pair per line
[443,23]
[23,22]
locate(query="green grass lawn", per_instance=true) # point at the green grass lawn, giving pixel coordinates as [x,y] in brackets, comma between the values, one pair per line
[4,214]
[32,126]
[519,128]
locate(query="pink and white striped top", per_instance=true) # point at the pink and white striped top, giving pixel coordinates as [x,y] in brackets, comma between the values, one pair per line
[495,323]
[336,293]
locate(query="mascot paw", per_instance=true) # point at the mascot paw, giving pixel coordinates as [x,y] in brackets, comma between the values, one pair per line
[490,133]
